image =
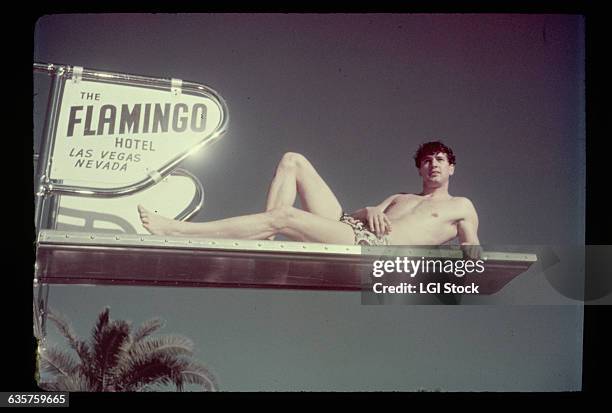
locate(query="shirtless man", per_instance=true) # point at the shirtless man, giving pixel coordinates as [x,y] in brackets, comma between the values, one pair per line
[431,217]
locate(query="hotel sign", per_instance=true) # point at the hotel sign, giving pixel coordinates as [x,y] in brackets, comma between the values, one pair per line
[115,134]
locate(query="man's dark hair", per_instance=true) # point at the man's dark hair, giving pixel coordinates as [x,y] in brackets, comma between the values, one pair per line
[432,148]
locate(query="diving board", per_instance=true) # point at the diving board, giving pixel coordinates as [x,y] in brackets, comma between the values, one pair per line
[148,260]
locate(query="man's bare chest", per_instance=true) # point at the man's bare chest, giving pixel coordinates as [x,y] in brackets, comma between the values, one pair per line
[423,208]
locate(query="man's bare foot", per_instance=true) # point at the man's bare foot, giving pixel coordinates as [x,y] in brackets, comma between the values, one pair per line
[156,224]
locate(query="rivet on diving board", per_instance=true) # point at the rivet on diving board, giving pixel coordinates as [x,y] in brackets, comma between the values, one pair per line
[235,243]
[259,244]
[92,237]
[117,238]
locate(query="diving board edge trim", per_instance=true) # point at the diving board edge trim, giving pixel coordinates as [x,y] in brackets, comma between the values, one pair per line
[256,246]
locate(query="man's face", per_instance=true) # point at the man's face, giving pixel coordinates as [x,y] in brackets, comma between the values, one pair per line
[435,169]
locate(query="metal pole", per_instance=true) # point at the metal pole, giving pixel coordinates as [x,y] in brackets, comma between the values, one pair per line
[44,166]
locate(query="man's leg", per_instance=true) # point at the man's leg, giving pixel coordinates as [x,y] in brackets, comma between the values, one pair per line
[295,175]
[292,222]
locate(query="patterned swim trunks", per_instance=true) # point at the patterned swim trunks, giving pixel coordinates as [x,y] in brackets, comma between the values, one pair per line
[363,236]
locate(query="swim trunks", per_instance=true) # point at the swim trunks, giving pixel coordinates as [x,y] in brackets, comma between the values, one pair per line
[363,236]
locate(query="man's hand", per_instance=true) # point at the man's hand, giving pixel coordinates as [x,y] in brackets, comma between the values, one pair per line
[471,252]
[377,221]
[467,230]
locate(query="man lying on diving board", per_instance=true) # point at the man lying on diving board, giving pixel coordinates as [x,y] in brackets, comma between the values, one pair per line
[431,217]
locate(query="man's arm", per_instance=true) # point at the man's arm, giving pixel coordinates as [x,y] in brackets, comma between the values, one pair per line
[375,216]
[467,231]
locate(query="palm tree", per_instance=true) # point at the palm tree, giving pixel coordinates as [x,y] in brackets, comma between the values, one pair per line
[117,359]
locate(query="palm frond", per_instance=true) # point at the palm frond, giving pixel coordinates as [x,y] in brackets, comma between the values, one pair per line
[149,350]
[197,374]
[57,362]
[78,383]
[168,344]
[140,353]
[185,371]
[50,385]
[157,369]
[71,383]
[126,354]
[100,325]
[151,387]
[107,348]
[147,328]
[165,349]
[124,357]
[78,345]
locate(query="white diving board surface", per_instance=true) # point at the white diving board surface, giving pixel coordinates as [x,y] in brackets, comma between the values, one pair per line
[147,260]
